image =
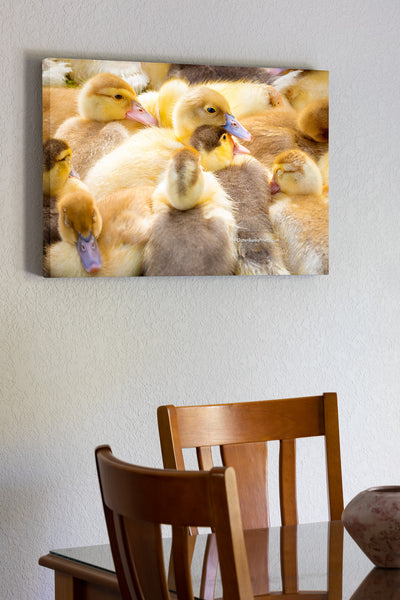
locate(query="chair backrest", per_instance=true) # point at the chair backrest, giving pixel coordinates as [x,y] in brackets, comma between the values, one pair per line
[137,500]
[242,431]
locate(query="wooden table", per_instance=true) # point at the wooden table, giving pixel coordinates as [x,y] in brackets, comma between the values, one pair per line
[316,561]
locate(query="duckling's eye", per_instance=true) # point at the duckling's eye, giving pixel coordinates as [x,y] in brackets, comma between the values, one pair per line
[211,109]
[224,137]
[118,96]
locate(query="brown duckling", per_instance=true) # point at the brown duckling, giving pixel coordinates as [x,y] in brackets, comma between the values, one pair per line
[245,181]
[194,228]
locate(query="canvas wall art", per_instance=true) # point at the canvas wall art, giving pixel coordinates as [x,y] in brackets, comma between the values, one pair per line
[156,169]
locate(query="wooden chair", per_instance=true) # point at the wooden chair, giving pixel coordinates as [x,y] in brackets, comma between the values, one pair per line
[137,500]
[242,431]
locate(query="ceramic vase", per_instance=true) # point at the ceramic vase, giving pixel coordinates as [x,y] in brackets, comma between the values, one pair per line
[372,519]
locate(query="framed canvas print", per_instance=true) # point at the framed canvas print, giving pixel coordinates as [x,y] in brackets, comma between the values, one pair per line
[156,169]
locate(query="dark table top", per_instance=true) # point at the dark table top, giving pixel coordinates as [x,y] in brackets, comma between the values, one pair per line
[317,556]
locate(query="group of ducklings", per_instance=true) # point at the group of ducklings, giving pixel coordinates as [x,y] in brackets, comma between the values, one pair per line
[226,177]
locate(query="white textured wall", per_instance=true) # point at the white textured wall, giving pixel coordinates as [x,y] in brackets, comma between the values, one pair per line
[86,362]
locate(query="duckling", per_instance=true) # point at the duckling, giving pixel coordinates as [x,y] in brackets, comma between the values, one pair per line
[203,105]
[194,227]
[144,157]
[157,73]
[79,223]
[242,97]
[57,72]
[217,148]
[302,87]
[300,213]
[245,181]
[58,104]
[131,72]
[282,129]
[101,240]
[195,74]
[248,98]
[109,112]
[58,177]
[161,104]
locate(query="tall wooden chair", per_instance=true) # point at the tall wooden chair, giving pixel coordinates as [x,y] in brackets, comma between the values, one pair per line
[137,500]
[242,431]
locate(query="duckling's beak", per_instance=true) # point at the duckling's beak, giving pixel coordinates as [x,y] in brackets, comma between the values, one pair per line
[239,149]
[138,113]
[89,253]
[274,187]
[73,173]
[235,128]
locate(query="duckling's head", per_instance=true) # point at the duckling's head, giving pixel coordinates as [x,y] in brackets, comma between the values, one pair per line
[184,179]
[106,97]
[294,172]
[203,106]
[80,224]
[56,166]
[216,147]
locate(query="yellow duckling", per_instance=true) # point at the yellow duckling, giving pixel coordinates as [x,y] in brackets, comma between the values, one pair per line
[101,240]
[202,105]
[58,177]
[300,213]
[244,98]
[245,181]
[194,227]
[109,112]
[300,88]
[144,157]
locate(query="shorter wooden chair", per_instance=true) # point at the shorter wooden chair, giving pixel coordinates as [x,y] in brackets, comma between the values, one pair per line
[137,500]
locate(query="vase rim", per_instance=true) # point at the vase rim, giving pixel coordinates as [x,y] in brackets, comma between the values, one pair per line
[384,489]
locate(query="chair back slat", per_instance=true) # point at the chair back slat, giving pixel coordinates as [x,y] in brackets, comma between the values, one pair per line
[287,482]
[204,458]
[250,464]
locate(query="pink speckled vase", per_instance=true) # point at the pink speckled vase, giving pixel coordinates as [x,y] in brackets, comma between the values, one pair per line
[372,519]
